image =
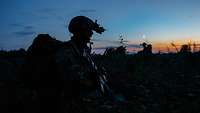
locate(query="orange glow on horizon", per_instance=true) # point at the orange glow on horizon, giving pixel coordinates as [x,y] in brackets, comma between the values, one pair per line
[173,45]
[170,46]
[160,46]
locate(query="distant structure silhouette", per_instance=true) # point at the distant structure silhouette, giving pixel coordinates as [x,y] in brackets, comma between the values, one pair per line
[185,49]
[147,49]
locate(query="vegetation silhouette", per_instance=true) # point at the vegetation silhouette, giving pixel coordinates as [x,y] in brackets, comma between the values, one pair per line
[121,50]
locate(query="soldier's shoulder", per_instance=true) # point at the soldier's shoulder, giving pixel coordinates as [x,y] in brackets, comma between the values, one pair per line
[67,47]
[66,50]
[67,43]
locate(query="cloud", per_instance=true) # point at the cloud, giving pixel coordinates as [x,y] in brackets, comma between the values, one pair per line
[128,46]
[47,13]
[134,46]
[16,25]
[28,27]
[48,10]
[1,45]
[106,41]
[22,26]
[24,33]
[88,10]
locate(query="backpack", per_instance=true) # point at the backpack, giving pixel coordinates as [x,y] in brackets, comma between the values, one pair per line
[44,45]
[40,59]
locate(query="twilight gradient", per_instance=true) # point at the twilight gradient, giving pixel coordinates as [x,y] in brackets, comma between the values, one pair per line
[158,22]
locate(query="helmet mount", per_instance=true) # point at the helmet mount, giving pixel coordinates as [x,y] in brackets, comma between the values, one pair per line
[81,23]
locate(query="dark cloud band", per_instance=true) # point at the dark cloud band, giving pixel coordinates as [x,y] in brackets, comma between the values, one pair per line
[24,33]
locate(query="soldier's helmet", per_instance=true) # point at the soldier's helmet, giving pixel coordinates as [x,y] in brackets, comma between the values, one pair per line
[81,23]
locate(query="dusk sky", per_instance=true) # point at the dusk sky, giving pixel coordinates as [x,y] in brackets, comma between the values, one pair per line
[158,22]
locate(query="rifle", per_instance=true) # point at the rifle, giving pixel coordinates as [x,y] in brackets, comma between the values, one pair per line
[101,76]
[103,86]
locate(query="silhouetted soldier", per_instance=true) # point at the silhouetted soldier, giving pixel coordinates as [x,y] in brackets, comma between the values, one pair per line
[57,71]
[72,61]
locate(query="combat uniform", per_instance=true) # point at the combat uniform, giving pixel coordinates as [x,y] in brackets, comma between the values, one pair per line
[75,71]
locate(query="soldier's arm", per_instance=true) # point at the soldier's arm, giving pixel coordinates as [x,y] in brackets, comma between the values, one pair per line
[67,66]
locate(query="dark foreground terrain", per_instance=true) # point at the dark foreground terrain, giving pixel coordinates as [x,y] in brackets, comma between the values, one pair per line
[161,83]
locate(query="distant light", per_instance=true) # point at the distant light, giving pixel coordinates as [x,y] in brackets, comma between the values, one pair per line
[144,36]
